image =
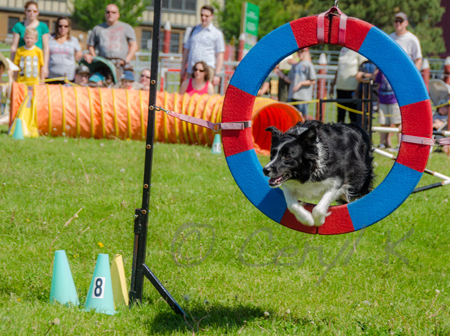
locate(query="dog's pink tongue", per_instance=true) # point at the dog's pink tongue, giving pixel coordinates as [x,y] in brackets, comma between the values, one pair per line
[275,180]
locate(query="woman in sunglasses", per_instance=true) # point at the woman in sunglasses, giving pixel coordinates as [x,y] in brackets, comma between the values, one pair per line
[31,21]
[145,79]
[199,83]
[65,50]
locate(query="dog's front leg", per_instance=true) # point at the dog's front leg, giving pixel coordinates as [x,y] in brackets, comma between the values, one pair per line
[320,211]
[302,215]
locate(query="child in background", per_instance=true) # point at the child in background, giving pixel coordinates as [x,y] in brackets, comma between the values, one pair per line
[388,110]
[30,59]
[301,78]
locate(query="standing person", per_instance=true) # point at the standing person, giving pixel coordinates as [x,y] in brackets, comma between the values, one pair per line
[30,59]
[31,21]
[301,78]
[145,79]
[205,43]
[65,51]
[407,40]
[345,81]
[114,39]
[199,83]
[388,110]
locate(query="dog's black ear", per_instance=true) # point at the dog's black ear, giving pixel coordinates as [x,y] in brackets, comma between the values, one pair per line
[308,136]
[276,133]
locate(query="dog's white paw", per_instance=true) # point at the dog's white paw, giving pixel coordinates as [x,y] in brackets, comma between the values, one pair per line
[303,217]
[319,216]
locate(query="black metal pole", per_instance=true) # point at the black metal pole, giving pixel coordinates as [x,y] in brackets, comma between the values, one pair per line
[428,187]
[320,110]
[369,119]
[139,269]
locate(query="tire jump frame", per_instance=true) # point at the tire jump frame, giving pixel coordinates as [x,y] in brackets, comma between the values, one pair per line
[413,99]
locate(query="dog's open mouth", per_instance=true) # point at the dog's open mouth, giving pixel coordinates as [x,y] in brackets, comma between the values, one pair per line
[277,181]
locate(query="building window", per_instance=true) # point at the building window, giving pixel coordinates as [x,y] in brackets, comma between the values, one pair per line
[179,5]
[174,43]
[190,5]
[11,23]
[146,35]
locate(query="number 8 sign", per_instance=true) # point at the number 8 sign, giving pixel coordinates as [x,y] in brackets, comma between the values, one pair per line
[99,288]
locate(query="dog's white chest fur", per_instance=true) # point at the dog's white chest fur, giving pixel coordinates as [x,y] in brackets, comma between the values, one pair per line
[310,190]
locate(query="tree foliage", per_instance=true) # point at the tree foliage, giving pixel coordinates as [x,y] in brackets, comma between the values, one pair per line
[423,16]
[89,13]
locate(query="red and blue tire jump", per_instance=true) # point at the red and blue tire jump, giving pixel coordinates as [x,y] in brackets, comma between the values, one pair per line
[412,97]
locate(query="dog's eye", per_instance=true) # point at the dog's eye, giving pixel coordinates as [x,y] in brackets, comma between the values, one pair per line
[286,157]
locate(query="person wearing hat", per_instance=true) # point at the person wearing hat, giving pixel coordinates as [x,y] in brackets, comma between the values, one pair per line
[301,79]
[127,81]
[97,80]
[82,74]
[407,40]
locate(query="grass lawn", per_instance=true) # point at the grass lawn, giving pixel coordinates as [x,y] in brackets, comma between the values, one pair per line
[241,272]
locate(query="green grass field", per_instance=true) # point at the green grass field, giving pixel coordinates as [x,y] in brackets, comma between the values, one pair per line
[242,275]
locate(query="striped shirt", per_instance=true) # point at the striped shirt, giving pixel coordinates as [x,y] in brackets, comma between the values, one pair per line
[204,44]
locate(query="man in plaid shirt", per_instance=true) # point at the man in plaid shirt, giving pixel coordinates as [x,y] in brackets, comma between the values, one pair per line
[205,43]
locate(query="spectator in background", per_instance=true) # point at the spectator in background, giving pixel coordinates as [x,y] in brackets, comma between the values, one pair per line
[407,40]
[199,83]
[4,65]
[5,90]
[31,21]
[205,43]
[127,82]
[97,80]
[82,74]
[145,79]
[301,79]
[65,50]
[388,110]
[345,81]
[30,59]
[283,87]
[264,90]
[115,40]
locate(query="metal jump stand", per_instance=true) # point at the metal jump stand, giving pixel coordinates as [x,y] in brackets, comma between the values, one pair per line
[367,106]
[139,268]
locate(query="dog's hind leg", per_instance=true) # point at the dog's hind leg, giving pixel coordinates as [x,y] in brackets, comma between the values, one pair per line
[320,211]
[302,215]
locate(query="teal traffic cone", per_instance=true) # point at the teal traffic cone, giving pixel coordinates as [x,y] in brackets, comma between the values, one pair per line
[18,131]
[100,295]
[217,145]
[63,288]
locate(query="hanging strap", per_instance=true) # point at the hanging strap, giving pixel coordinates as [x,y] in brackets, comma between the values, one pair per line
[425,141]
[234,126]
[342,25]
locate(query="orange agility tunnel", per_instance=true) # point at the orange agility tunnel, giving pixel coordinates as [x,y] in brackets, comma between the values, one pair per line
[117,113]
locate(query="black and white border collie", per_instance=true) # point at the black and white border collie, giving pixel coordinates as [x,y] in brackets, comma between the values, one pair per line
[327,162]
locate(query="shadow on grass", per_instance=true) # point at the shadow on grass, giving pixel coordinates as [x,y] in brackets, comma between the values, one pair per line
[208,316]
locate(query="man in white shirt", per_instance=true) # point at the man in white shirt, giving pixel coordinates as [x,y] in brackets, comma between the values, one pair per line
[205,43]
[407,40]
